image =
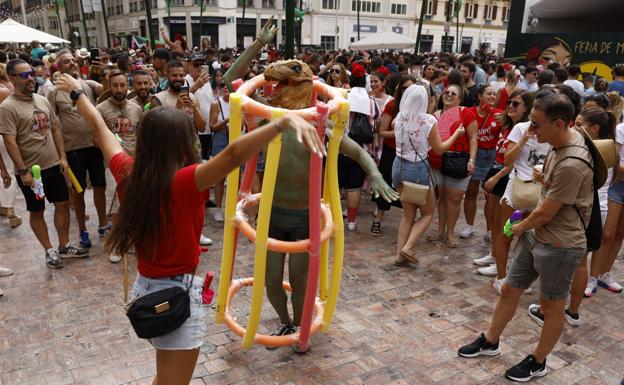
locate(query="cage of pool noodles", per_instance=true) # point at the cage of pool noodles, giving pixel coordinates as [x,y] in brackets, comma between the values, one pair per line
[324,209]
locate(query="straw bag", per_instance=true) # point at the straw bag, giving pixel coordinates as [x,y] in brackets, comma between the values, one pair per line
[411,192]
[525,194]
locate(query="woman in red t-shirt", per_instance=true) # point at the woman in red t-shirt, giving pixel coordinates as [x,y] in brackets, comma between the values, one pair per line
[488,129]
[388,151]
[503,94]
[495,182]
[163,193]
[451,190]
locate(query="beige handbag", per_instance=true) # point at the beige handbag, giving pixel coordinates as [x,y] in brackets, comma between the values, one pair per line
[525,194]
[411,192]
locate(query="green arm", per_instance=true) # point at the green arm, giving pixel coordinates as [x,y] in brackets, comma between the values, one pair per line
[353,150]
[240,66]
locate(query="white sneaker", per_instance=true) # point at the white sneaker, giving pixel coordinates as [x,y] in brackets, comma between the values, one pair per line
[488,237]
[592,286]
[351,226]
[573,320]
[5,272]
[219,215]
[488,271]
[498,284]
[204,240]
[114,258]
[466,232]
[484,261]
[606,280]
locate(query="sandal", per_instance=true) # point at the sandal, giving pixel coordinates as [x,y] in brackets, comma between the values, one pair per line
[451,243]
[400,261]
[434,237]
[376,228]
[409,257]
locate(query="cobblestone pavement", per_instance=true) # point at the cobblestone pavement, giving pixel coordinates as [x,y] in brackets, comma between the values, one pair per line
[392,325]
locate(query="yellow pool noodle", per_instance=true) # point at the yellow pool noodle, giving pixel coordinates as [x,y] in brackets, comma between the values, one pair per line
[262,233]
[336,210]
[231,199]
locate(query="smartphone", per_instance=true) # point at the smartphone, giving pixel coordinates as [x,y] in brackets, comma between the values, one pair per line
[184,88]
[205,68]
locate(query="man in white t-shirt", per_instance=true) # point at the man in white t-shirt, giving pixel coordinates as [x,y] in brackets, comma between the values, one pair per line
[198,81]
[574,72]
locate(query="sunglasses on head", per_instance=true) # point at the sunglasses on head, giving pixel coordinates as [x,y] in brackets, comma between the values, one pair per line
[335,70]
[513,103]
[25,75]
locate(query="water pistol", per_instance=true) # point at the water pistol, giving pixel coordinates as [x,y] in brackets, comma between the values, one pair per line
[516,217]
[38,186]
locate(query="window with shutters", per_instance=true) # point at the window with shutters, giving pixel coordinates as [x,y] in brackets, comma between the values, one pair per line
[505,14]
[432,7]
[489,13]
[398,9]
[470,10]
[446,8]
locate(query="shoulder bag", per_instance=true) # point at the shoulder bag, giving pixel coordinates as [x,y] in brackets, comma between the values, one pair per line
[160,312]
[411,192]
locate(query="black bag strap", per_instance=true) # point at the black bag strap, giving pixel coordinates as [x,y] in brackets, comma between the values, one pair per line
[433,178]
[594,180]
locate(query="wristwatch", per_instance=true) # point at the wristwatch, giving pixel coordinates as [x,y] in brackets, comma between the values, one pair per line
[22,171]
[75,94]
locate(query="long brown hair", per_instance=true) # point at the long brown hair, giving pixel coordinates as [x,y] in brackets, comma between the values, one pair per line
[527,99]
[165,143]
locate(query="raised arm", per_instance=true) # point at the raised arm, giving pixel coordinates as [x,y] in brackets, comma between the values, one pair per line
[239,68]
[237,152]
[108,143]
[437,145]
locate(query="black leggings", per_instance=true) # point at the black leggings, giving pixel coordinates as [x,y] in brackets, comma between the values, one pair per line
[287,225]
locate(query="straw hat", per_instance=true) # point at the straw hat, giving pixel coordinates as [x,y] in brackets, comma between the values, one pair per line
[83,53]
[604,154]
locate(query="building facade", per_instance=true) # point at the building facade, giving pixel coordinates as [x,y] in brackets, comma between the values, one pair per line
[330,24]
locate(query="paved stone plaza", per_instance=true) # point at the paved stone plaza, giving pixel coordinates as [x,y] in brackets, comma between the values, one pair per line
[392,325]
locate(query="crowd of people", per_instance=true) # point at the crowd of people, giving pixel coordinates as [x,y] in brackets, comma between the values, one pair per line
[156,123]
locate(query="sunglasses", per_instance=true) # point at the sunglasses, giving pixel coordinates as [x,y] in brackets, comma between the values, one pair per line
[25,75]
[513,103]
[450,93]
[335,71]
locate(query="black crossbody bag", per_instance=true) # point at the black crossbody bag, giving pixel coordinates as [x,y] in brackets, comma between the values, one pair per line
[160,312]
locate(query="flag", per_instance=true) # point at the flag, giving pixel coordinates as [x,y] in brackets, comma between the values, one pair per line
[202,6]
[60,3]
[169,9]
[457,8]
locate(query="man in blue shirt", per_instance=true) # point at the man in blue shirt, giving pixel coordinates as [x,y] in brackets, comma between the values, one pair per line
[618,80]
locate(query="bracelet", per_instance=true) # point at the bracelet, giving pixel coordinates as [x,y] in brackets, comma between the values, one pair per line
[471,160]
[278,126]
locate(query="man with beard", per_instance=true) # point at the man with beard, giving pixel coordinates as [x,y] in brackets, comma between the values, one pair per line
[142,87]
[160,58]
[83,157]
[29,126]
[198,81]
[468,70]
[173,97]
[121,117]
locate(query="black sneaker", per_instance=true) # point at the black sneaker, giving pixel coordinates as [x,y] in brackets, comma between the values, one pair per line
[52,259]
[572,319]
[282,330]
[527,369]
[72,251]
[536,314]
[479,347]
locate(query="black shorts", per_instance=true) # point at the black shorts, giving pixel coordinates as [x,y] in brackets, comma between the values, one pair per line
[54,187]
[89,160]
[350,175]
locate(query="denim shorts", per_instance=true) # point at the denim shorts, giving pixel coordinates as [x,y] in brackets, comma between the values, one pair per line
[555,267]
[219,141]
[616,192]
[485,161]
[191,334]
[448,182]
[405,170]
